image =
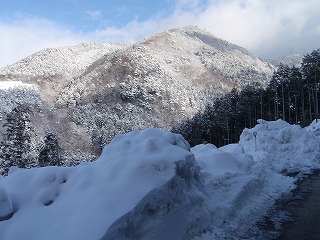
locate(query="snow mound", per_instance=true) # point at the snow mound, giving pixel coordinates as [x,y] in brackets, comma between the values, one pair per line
[149,184]
[228,159]
[282,146]
[314,127]
[233,148]
[203,148]
[100,192]
[176,210]
[6,209]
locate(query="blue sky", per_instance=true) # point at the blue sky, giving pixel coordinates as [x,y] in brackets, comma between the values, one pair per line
[268,28]
[86,15]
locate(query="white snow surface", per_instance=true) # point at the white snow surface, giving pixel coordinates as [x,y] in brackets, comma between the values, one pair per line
[281,146]
[66,61]
[5,203]
[227,159]
[5,85]
[152,167]
[314,127]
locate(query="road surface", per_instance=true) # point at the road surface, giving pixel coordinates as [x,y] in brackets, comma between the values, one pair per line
[305,209]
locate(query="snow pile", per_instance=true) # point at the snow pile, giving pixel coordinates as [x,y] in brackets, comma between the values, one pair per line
[237,188]
[227,159]
[281,146]
[149,184]
[5,204]
[314,127]
[82,202]
[175,210]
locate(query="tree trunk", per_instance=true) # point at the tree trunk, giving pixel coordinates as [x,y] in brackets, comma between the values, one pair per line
[316,97]
[296,108]
[310,104]
[283,106]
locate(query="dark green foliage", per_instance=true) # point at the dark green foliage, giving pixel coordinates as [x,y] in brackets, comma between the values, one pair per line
[50,153]
[311,73]
[16,144]
[291,95]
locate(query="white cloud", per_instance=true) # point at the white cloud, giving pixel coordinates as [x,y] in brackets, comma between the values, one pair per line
[24,37]
[268,28]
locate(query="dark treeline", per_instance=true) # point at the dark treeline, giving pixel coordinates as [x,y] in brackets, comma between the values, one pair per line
[16,147]
[291,95]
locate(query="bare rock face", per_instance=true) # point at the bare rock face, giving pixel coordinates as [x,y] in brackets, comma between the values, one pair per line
[90,92]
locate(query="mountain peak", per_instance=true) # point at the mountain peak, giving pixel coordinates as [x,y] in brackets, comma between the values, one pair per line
[90,92]
[198,34]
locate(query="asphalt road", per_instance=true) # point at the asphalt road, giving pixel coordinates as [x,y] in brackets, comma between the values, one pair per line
[305,210]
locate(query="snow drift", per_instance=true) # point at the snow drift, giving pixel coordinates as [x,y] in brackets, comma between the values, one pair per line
[149,184]
[6,210]
[282,146]
[82,202]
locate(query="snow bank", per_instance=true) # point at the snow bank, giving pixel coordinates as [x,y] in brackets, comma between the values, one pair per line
[237,188]
[281,146]
[227,159]
[314,127]
[149,184]
[82,202]
[176,210]
[6,209]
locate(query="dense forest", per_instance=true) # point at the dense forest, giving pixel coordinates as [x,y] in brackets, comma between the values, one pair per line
[16,148]
[291,95]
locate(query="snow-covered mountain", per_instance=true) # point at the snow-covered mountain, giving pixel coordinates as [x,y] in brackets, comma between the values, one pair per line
[90,92]
[290,59]
[66,61]
[149,184]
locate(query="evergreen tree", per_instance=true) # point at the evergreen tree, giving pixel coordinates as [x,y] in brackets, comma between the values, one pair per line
[296,95]
[16,144]
[50,152]
[311,70]
[279,83]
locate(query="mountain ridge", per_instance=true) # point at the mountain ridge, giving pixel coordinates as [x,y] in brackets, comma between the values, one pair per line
[157,82]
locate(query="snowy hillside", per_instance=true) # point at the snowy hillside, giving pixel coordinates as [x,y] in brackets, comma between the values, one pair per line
[5,85]
[89,93]
[66,61]
[149,184]
[291,59]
